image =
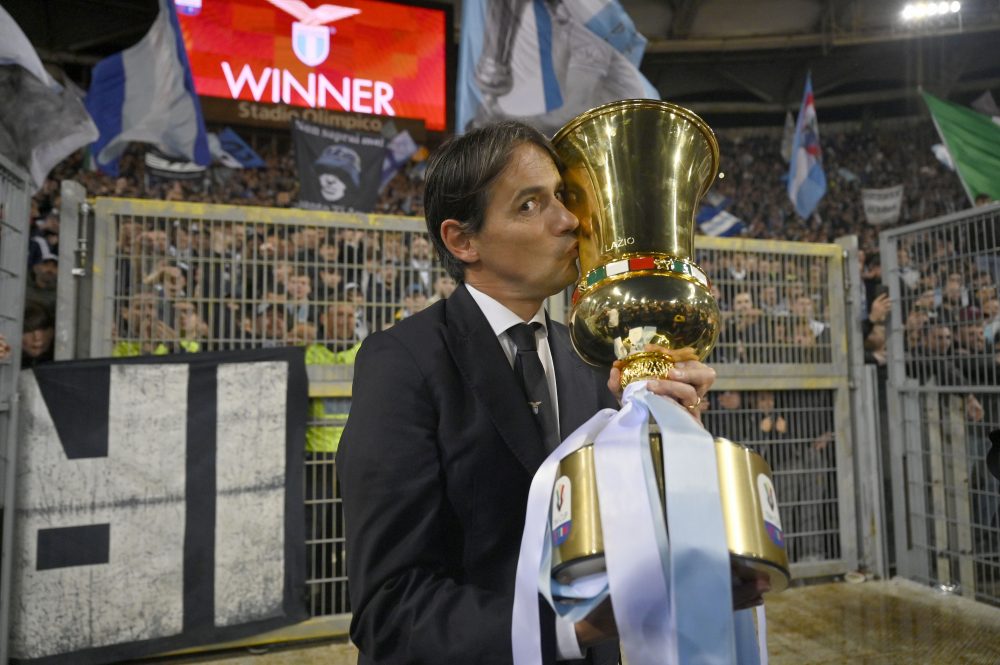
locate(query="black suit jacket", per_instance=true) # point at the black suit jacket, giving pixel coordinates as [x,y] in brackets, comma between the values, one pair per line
[435,464]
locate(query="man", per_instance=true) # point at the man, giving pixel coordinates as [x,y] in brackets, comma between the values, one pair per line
[441,445]
[41,286]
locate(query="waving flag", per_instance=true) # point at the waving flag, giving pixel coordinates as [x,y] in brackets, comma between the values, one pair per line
[714,220]
[545,62]
[973,141]
[806,179]
[146,93]
[41,121]
[232,151]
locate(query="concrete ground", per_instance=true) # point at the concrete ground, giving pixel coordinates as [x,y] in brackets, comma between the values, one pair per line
[872,623]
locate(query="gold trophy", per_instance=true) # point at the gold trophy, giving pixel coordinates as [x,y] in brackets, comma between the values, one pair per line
[635,171]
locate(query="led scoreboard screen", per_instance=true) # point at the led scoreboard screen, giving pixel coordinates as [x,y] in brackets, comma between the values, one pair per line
[359,56]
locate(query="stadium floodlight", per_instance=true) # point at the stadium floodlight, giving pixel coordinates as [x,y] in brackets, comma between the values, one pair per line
[915,11]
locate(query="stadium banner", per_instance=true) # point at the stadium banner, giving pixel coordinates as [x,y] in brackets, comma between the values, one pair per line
[279,116]
[361,56]
[882,206]
[159,504]
[339,171]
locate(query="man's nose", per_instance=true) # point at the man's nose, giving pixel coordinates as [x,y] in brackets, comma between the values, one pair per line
[568,223]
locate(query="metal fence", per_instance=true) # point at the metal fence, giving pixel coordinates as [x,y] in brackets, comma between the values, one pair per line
[177,278]
[14,232]
[944,398]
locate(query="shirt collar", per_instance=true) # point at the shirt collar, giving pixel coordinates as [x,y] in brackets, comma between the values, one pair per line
[498,315]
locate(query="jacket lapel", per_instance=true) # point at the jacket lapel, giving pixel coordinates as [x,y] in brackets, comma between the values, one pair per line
[484,367]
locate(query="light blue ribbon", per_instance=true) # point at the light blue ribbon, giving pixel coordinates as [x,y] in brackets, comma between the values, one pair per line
[635,541]
[701,591]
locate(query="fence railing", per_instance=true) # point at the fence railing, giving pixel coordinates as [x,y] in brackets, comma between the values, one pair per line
[15,213]
[944,398]
[177,278]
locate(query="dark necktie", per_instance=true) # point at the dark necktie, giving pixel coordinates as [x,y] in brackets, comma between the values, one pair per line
[529,372]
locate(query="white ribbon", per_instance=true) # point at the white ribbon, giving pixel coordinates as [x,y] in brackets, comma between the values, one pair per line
[762,634]
[526,639]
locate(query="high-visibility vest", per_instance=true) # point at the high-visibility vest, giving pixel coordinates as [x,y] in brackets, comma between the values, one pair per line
[327,415]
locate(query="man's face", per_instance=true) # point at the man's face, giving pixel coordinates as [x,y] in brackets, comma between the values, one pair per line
[803,306]
[37,342]
[444,285]
[298,286]
[420,248]
[155,241]
[991,308]
[46,274]
[953,288]
[971,336]
[743,303]
[527,246]
[339,322]
[939,339]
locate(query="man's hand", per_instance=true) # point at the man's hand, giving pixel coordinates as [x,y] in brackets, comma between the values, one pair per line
[688,381]
[598,626]
[880,309]
[749,587]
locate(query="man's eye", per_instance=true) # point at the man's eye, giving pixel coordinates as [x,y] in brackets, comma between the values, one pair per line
[529,205]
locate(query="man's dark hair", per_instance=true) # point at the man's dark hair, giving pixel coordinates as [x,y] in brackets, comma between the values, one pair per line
[37,317]
[460,174]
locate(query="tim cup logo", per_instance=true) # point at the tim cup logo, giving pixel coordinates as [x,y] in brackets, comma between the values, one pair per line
[310,34]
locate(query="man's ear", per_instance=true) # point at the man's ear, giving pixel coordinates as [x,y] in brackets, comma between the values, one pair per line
[458,241]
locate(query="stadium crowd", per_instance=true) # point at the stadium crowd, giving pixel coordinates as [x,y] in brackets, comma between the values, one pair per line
[220,286]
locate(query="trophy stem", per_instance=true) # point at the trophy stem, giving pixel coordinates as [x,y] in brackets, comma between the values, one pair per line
[645,365]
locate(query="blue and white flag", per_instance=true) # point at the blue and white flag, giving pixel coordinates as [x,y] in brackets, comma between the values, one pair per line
[545,62]
[714,220]
[41,121]
[398,151]
[806,179]
[233,151]
[146,93]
